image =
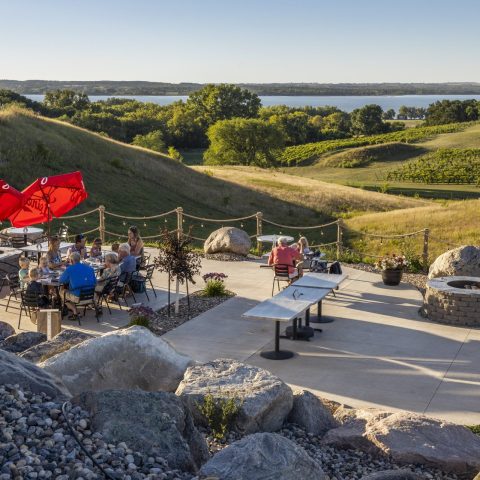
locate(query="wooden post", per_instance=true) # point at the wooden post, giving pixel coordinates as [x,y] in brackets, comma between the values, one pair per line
[259,232]
[339,238]
[426,234]
[101,222]
[179,233]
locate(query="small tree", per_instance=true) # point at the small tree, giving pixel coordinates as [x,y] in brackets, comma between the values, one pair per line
[177,259]
[153,141]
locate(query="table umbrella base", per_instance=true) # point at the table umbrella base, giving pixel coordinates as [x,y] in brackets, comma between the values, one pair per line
[302,333]
[274,355]
[321,319]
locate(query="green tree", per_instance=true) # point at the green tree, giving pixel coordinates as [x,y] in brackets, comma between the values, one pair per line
[221,102]
[66,101]
[152,140]
[389,114]
[8,97]
[295,127]
[244,142]
[367,120]
[174,153]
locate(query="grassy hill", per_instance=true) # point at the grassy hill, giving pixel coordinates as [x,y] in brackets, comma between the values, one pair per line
[134,182]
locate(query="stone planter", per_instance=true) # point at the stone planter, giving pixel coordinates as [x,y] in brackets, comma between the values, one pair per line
[392,277]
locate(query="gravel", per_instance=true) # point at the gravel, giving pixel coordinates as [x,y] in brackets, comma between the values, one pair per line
[35,442]
[230,257]
[339,464]
[199,304]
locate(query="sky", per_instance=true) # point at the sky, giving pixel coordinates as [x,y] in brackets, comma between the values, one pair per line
[262,41]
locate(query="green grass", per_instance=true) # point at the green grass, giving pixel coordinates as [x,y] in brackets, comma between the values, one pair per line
[192,156]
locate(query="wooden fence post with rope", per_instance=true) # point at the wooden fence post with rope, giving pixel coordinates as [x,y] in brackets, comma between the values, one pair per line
[426,234]
[179,221]
[259,217]
[101,222]
[339,238]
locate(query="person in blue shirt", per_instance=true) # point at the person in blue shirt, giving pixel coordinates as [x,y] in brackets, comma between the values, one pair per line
[128,263]
[76,277]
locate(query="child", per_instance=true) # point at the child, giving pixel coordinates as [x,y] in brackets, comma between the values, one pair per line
[115,247]
[24,263]
[34,287]
[96,250]
[43,266]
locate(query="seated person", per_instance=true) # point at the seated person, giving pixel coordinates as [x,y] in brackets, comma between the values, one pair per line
[79,247]
[54,257]
[304,250]
[35,287]
[76,277]
[96,250]
[115,247]
[24,264]
[282,254]
[43,266]
[112,269]
[128,263]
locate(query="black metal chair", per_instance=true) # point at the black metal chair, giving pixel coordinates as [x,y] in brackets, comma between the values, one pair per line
[86,298]
[103,296]
[124,288]
[144,261]
[281,274]
[138,277]
[18,242]
[30,304]
[13,282]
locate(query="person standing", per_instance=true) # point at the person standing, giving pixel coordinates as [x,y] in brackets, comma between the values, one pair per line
[135,242]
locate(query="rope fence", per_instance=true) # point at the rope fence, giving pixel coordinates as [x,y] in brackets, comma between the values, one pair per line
[335,230]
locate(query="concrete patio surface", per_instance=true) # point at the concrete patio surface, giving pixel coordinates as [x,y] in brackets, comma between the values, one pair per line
[378,352]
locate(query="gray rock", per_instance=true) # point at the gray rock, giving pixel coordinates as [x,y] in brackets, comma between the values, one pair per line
[6,330]
[228,240]
[461,261]
[400,474]
[408,438]
[265,401]
[22,341]
[311,414]
[58,344]
[15,370]
[133,358]
[156,423]
[262,456]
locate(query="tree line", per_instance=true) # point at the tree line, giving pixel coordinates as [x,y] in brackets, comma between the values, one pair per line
[230,121]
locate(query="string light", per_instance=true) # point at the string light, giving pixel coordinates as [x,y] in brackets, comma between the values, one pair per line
[144,224]
[124,222]
[84,220]
[321,233]
[165,220]
[241,225]
[202,225]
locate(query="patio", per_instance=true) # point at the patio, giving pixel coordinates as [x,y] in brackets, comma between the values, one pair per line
[378,352]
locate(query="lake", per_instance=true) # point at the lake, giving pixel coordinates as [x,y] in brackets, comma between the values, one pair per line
[346,103]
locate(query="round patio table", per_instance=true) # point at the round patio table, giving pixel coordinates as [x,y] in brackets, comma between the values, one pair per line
[273,238]
[25,231]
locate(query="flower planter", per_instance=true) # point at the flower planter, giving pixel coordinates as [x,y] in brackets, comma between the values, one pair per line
[392,277]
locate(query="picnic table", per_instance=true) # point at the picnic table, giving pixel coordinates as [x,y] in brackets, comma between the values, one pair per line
[322,282]
[279,309]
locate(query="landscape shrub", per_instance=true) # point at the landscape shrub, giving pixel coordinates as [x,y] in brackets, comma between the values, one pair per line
[214,285]
[219,413]
[141,316]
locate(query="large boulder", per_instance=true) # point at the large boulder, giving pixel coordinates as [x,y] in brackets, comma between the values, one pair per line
[17,371]
[22,341]
[461,261]
[156,423]
[6,330]
[228,240]
[310,413]
[409,438]
[262,456]
[129,359]
[61,342]
[264,400]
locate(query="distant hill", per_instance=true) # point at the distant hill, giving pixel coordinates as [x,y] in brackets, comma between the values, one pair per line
[107,87]
[133,181]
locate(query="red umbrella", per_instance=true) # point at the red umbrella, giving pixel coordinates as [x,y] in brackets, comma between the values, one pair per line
[49,197]
[10,200]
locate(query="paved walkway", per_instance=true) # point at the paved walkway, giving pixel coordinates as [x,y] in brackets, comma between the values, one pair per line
[378,352]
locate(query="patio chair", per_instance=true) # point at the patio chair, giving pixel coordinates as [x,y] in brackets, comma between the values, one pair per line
[85,299]
[281,274]
[63,233]
[13,282]
[30,304]
[109,287]
[144,261]
[138,277]
[123,288]
[18,242]
[5,240]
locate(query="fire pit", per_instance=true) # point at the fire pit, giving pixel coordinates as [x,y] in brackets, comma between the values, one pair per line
[454,300]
